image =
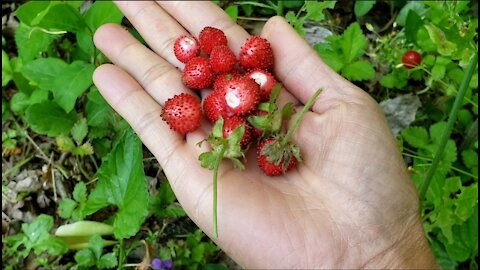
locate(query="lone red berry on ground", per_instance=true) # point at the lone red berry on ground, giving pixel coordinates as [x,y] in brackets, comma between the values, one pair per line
[411,59]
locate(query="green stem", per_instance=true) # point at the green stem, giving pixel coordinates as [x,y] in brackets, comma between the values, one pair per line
[16,167]
[451,121]
[215,176]
[299,117]
[280,8]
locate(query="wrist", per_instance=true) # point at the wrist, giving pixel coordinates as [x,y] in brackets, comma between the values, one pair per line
[410,252]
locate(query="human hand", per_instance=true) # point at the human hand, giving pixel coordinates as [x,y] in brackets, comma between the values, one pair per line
[350,204]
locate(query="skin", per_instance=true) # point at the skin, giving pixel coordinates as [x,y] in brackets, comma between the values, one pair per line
[350,204]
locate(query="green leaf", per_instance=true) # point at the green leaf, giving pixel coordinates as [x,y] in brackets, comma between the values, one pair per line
[296,23]
[49,119]
[99,113]
[32,12]
[466,201]
[362,7]
[353,42]
[80,192]
[333,59]
[102,12]
[470,158]
[108,260]
[394,80]
[416,6]
[31,42]
[413,23]
[315,9]
[7,71]
[96,244]
[71,83]
[121,182]
[63,16]
[65,144]
[465,244]
[39,229]
[85,257]
[19,102]
[232,12]
[416,136]
[38,96]
[424,41]
[79,131]
[85,42]
[359,71]
[52,245]
[438,72]
[444,46]
[83,150]
[43,71]
[66,207]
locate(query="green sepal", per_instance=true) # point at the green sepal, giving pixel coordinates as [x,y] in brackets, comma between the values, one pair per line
[287,111]
[207,159]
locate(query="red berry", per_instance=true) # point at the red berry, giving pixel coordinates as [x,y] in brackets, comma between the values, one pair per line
[211,37]
[222,59]
[198,74]
[256,53]
[221,79]
[182,113]
[411,59]
[231,123]
[269,168]
[265,80]
[214,106]
[241,95]
[185,48]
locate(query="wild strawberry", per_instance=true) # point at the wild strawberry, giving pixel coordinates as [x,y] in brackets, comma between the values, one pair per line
[182,113]
[222,78]
[214,106]
[231,123]
[256,53]
[273,168]
[211,37]
[222,59]
[265,80]
[185,48]
[241,95]
[278,154]
[198,74]
[411,59]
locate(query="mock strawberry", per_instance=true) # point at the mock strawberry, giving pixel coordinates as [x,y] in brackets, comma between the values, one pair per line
[211,37]
[214,106]
[241,95]
[185,48]
[182,113]
[256,52]
[198,74]
[231,123]
[265,80]
[272,168]
[222,59]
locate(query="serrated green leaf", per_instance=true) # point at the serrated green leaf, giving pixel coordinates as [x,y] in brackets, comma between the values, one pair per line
[52,245]
[466,201]
[99,113]
[65,144]
[465,243]
[63,16]
[80,192]
[359,71]
[66,207]
[96,244]
[39,229]
[122,182]
[353,43]
[333,59]
[49,119]
[43,71]
[85,149]
[79,131]
[315,9]
[363,7]
[438,72]
[31,42]
[71,83]
[85,257]
[102,12]
[436,131]
[452,185]
[108,260]
[394,80]
[295,22]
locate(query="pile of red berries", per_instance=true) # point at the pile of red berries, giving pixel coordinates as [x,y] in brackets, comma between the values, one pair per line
[239,85]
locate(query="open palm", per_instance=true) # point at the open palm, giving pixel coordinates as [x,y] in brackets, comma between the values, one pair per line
[350,204]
